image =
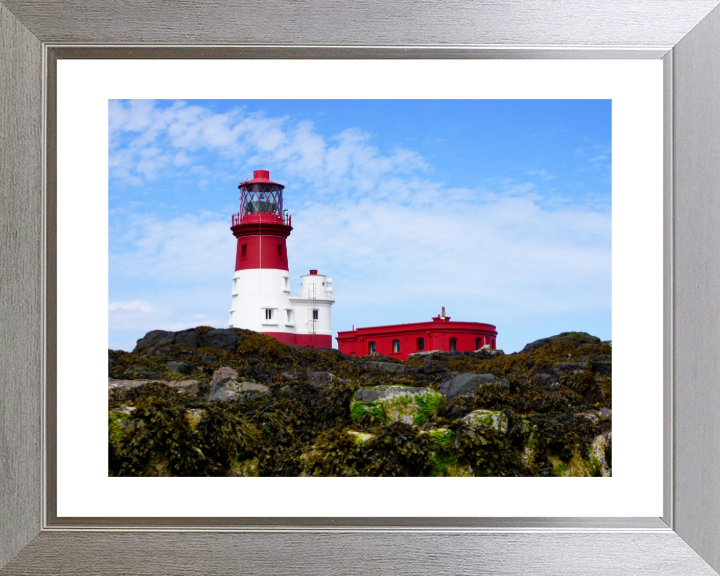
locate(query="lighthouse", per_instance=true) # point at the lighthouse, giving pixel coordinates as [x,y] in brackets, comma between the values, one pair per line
[262,298]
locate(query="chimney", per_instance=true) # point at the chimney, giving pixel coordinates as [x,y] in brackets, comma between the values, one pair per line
[443,312]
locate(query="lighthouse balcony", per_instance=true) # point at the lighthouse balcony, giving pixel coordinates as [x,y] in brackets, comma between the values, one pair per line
[261,218]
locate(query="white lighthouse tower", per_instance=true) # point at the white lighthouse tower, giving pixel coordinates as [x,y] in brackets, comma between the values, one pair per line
[262,299]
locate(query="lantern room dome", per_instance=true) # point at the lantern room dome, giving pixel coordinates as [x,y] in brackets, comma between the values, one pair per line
[260,177]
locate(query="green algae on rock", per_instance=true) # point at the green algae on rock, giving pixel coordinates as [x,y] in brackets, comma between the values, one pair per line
[396,404]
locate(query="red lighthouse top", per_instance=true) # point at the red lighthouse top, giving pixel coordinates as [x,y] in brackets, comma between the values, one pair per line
[260,177]
[262,225]
[261,201]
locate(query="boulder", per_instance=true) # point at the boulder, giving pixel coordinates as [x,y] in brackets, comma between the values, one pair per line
[187,338]
[223,373]
[226,389]
[466,384]
[396,404]
[389,367]
[223,339]
[491,418]
[223,395]
[253,387]
[154,337]
[180,367]
[579,337]
[192,386]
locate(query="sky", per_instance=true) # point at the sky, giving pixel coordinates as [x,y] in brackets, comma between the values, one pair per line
[499,210]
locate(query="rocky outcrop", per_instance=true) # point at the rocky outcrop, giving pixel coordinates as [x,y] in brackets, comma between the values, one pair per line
[230,402]
[577,337]
[467,384]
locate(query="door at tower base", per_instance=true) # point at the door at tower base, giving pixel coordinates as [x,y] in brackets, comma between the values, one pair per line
[401,340]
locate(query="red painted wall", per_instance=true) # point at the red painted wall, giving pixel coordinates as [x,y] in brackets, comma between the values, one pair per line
[321,340]
[437,336]
[260,242]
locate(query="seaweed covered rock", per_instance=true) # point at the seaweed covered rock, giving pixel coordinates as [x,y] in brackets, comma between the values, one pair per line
[232,402]
[466,384]
[396,404]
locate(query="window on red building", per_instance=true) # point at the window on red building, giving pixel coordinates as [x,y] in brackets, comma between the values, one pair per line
[478,343]
[243,252]
[421,343]
[396,346]
[453,344]
[371,347]
[279,250]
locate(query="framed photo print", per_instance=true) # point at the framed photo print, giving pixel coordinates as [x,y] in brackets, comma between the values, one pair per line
[365,287]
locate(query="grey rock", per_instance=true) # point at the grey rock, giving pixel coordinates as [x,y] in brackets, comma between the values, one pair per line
[224,373]
[192,386]
[155,337]
[187,338]
[180,367]
[206,359]
[605,413]
[224,339]
[466,384]
[389,367]
[223,395]
[253,387]
[158,350]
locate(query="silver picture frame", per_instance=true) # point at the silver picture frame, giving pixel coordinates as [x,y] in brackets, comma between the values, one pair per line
[685,34]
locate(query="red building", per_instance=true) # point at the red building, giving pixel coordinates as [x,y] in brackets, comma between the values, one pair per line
[400,340]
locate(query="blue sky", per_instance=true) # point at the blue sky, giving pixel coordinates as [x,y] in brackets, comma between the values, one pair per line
[499,210]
